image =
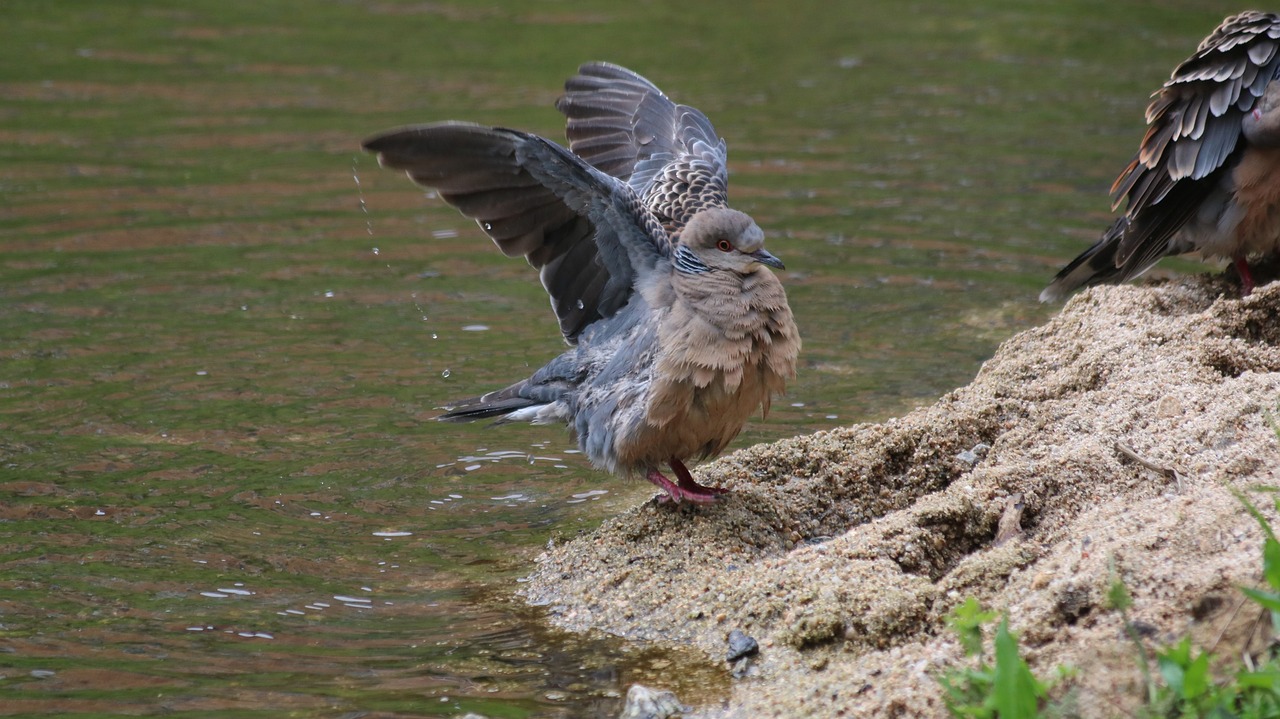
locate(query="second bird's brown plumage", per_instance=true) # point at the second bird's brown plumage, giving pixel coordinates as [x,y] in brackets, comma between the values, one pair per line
[678,329]
[1206,176]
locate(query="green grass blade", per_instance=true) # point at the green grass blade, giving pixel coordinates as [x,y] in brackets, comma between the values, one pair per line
[1017,693]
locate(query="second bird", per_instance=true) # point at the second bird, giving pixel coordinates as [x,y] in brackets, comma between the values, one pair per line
[1206,177]
[678,328]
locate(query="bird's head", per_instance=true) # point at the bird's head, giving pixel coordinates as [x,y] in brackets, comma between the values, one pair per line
[722,239]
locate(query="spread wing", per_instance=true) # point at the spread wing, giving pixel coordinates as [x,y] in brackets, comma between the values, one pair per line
[586,233]
[624,126]
[1193,128]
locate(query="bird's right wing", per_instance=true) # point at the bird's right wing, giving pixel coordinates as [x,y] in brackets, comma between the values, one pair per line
[586,232]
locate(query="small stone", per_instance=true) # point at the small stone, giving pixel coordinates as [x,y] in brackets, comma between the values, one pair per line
[1169,406]
[975,455]
[1144,629]
[741,645]
[646,703]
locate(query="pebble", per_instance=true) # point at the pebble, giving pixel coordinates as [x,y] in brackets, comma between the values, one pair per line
[646,703]
[741,645]
[975,455]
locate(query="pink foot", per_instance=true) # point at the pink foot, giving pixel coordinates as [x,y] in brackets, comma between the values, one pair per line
[684,490]
[691,487]
[1246,277]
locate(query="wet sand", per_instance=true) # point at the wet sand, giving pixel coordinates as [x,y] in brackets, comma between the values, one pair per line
[842,552]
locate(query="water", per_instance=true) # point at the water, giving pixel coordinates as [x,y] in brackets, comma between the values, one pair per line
[221,493]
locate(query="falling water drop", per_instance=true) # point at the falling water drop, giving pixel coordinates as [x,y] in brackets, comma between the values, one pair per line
[445,374]
[434,336]
[580,305]
[375,250]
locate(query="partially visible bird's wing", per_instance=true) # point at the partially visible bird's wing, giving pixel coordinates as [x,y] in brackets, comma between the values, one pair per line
[1193,128]
[624,126]
[586,232]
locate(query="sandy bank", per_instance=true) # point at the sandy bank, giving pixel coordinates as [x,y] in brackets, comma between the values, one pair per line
[842,551]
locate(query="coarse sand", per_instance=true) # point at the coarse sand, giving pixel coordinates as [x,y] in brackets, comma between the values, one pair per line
[843,551]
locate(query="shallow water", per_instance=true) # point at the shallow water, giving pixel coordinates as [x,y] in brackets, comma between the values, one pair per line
[224,330]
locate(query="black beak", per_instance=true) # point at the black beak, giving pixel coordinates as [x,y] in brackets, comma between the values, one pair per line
[763,257]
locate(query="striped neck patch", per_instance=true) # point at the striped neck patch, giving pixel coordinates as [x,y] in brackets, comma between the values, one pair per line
[688,263]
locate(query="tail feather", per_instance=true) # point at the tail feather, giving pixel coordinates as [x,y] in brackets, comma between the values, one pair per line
[536,399]
[498,403]
[474,408]
[1096,265]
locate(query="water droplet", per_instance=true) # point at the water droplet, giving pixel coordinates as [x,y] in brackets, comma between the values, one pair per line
[445,374]
[580,305]
[488,226]
[328,293]
[434,336]
[532,459]
[375,250]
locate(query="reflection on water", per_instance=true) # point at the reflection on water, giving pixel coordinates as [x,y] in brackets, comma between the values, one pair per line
[221,493]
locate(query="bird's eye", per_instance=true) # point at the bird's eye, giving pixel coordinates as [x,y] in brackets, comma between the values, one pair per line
[724,245]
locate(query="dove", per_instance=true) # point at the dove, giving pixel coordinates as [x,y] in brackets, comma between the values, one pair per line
[678,329]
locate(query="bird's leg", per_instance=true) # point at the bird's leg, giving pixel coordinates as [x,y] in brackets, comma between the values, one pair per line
[685,489]
[1246,277]
[690,487]
[673,493]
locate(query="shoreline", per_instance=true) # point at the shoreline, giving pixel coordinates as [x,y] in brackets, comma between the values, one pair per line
[841,552]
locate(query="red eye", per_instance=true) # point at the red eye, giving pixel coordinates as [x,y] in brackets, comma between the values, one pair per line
[724,246]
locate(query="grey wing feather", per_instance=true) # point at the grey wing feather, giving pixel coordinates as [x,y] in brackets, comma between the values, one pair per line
[585,232]
[1194,120]
[670,154]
